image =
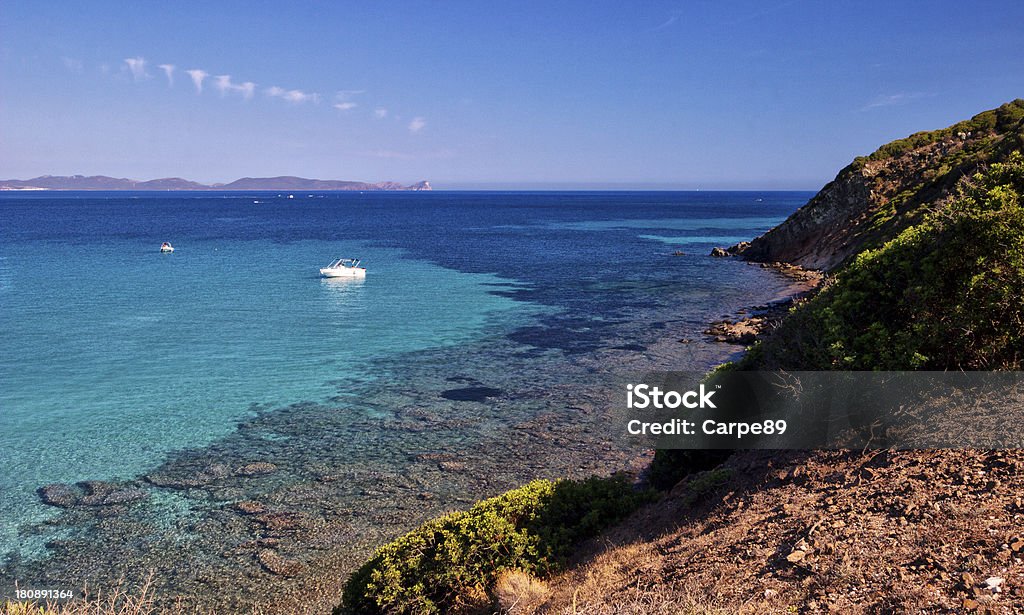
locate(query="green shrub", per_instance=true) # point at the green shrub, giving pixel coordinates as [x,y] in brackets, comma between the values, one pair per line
[944,294]
[670,466]
[1006,118]
[706,482]
[450,564]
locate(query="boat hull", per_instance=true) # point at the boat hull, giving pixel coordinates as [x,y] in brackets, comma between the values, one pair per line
[344,272]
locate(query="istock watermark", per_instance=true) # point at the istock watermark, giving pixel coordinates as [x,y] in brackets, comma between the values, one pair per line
[820,410]
[646,396]
[708,427]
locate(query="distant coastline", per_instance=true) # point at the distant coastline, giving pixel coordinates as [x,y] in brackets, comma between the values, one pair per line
[284,182]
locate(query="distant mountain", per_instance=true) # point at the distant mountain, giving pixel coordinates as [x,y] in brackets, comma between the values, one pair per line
[287,182]
[102,182]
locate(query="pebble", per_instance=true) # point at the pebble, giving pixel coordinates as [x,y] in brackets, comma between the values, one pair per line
[796,556]
[994,584]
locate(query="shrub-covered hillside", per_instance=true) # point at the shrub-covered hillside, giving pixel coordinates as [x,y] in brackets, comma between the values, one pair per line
[943,294]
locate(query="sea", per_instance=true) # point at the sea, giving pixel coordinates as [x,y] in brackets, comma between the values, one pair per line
[468,361]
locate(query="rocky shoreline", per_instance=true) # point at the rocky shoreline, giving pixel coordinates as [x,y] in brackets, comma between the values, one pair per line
[752,322]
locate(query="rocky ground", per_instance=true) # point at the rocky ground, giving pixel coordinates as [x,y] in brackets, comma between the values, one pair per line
[924,531]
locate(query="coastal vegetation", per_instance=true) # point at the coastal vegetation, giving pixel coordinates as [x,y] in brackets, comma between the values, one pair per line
[1006,118]
[453,563]
[943,294]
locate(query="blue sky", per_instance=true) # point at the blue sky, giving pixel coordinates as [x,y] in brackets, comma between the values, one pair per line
[699,94]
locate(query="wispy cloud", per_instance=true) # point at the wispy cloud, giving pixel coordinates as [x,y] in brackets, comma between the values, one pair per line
[298,96]
[672,20]
[169,71]
[137,67]
[678,17]
[225,86]
[343,99]
[198,75]
[893,100]
[292,96]
[247,89]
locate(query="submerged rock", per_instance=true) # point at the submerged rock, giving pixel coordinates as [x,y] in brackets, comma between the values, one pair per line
[124,496]
[256,469]
[168,482]
[274,563]
[207,475]
[250,507]
[471,393]
[91,493]
[282,521]
[59,494]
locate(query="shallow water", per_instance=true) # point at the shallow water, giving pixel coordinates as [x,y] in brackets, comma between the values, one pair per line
[119,362]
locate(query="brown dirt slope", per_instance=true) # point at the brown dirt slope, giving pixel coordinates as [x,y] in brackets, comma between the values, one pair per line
[884,532]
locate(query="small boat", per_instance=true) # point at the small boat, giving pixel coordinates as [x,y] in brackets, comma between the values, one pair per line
[166,247]
[344,268]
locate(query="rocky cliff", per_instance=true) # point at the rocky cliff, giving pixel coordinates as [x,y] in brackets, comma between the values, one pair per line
[877,196]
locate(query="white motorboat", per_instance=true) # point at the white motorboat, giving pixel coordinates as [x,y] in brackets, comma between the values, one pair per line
[166,247]
[344,268]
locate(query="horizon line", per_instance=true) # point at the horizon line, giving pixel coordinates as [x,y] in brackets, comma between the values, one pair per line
[442,189]
[447,186]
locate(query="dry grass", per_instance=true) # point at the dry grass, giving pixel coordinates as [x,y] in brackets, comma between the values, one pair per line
[661,602]
[520,593]
[631,580]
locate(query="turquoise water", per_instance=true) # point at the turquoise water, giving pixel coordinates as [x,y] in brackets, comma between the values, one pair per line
[115,354]
[117,361]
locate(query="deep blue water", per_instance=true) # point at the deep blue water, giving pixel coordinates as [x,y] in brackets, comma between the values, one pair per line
[113,356]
